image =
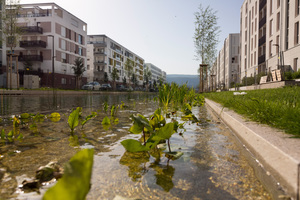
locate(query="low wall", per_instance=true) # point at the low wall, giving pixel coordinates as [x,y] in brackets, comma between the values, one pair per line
[277,152]
[268,85]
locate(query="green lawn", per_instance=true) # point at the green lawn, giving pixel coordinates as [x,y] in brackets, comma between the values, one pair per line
[279,108]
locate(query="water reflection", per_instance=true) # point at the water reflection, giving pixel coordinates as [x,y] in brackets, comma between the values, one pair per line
[54,101]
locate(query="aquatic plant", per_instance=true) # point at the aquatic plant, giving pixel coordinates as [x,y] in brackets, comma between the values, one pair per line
[88,118]
[156,128]
[54,117]
[75,183]
[73,119]
[105,106]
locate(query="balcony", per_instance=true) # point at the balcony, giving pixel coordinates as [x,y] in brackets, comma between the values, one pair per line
[38,58]
[261,59]
[100,62]
[262,4]
[31,29]
[262,40]
[262,22]
[98,44]
[33,43]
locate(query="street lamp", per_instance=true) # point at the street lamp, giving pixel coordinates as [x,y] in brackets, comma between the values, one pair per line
[52,59]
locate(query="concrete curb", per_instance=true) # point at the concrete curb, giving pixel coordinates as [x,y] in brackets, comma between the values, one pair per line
[278,153]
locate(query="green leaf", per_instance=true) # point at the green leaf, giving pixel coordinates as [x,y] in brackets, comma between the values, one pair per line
[55,117]
[20,137]
[25,116]
[74,119]
[133,146]
[174,155]
[106,121]
[166,132]
[75,183]
[136,129]
[3,134]
[141,122]
[88,118]
[10,136]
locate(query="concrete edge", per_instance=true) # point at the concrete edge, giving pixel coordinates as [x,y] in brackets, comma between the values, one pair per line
[282,166]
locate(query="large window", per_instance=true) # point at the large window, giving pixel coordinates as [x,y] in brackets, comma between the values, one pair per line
[63,31]
[80,39]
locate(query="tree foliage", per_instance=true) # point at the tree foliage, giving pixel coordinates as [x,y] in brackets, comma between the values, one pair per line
[78,69]
[11,30]
[114,76]
[206,35]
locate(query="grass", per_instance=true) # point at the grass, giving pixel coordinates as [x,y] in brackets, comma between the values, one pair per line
[279,108]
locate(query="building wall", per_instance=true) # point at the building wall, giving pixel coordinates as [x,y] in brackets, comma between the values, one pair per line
[59,27]
[156,72]
[275,25]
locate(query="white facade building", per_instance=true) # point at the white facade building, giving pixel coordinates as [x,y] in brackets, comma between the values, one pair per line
[157,73]
[269,36]
[104,54]
[226,67]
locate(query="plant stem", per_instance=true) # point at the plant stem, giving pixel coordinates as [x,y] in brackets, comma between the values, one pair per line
[144,138]
[169,145]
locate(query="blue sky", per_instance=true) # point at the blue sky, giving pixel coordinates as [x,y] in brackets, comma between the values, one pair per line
[160,31]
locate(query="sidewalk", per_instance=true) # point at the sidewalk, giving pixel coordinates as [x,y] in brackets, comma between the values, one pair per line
[277,152]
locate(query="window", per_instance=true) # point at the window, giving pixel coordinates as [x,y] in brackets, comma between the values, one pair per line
[80,39]
[256,8]
[277,46]
[295,67]
[63,58]
[278,3]
[245,50]
[296,33]
[63,31]
[255,24]
[63,44]
[271,7]
[254,57]
[271,27]
[278,21]
[63,81]
[88,67]
[80,52]
[270,48]
[297,7]
[255,41]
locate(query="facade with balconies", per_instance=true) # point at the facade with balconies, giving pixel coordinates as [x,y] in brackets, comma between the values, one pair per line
[269,36]
[51,39]
[157,74]
[106,54]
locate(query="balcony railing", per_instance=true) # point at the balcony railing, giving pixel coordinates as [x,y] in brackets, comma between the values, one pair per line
[261,59]
[31,58]
[262,22]
[262,40]
[34,15]
[33,43]
[100,62]
[32,29]
[262,4]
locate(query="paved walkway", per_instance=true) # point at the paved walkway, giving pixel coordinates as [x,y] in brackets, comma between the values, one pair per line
[278,152]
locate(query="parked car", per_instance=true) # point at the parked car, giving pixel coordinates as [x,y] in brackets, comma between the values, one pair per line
[91,86]
[121,88]
[105,87]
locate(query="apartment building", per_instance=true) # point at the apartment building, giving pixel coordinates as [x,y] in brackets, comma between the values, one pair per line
[157,73]
[105,54]
[269,36]
[2,44]
[51,40]
[226,67]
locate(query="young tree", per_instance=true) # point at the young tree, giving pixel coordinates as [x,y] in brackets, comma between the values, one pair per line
[114,76]
[147,77]
[129,64]
[78,70]
[12,33]
[206,36]
[105,77]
